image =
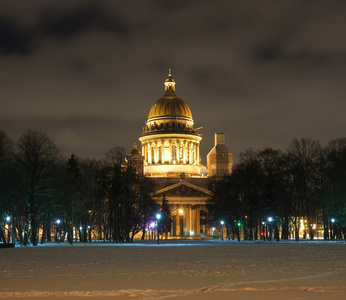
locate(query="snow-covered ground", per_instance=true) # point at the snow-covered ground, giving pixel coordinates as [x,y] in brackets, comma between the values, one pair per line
[181,269]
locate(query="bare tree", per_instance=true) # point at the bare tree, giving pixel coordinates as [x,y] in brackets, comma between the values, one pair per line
[6,151]
[304,158]
[36,155]
[116,156]
[6,146]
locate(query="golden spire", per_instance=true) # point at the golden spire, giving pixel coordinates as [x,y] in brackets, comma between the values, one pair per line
[170,83]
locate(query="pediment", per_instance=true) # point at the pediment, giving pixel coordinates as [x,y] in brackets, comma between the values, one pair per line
[183,189]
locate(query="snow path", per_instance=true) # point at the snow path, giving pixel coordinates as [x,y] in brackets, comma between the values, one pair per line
[190,270]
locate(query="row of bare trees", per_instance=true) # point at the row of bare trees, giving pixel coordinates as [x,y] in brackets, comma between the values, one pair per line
[306,182]
[43,192]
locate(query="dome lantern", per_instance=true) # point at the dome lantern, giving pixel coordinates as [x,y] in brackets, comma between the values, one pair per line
[170,83]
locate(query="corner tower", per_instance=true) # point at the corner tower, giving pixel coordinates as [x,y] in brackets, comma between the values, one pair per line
[219,159]
[170,145]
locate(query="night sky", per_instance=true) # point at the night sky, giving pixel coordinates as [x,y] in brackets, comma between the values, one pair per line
[88,72]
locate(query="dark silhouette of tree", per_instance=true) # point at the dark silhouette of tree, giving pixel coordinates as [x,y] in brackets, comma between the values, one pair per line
[335,196]
[7,186]
[116,156]
[73,191]
[304,158]
[37,155]
[166,217]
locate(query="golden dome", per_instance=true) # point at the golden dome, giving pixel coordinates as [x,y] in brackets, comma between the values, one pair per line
[170,105]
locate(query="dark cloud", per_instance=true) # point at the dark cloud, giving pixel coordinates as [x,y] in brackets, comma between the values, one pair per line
[275,52]
[262,72]
[13,38]
[78,65]
[268,51]
[169,5]
[65,24]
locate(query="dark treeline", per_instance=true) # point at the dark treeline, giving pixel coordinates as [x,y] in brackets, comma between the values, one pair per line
[303,187]
[44,196]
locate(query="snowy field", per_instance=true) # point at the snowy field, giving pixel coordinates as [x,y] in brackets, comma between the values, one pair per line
[184,270]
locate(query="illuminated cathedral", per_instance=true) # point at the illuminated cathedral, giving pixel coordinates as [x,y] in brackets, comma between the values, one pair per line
[171,158]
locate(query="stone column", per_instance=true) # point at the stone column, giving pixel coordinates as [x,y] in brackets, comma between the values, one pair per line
[170,151]
[163,158]
[184,152]
[189,146]
[188,219]
[149,154]
[156,153]
[178,151]
[145,152]
[198,221]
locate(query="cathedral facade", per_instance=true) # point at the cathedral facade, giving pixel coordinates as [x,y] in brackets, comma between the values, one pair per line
[171,158]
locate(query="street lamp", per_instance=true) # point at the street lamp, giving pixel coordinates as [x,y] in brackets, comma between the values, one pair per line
[8,219]
[222,223]
[263,233]
[158,217]
[333,221]
[270,219]
[58,232]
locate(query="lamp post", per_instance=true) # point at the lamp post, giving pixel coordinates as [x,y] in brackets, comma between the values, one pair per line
[332,231]
[58,231]
[7,226]
[263,233]
[222,223]
[158,217]
[270,219]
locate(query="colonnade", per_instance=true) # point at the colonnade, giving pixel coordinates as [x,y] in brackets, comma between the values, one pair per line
[171,151]
[187,221]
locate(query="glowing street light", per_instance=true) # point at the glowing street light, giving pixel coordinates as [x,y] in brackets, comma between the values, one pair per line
[263,231]
[8,219]
[58,221]
[333,221]
[158,217]
[222,222]
[270,219]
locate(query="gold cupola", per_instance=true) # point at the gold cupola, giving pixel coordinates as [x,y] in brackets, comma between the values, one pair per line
[170,105]
[170,145]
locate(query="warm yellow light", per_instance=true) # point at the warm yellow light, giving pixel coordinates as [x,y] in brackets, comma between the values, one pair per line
[181,211]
